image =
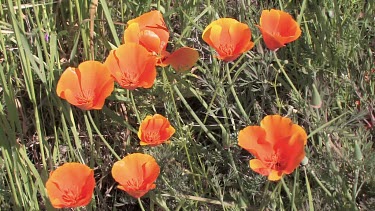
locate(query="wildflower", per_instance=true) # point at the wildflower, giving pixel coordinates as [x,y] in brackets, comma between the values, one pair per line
[150,31]
[277,144]
[87,86]
[70,185]
[278,28]
[132,66]
[136,174]
[228,37]
[155,130]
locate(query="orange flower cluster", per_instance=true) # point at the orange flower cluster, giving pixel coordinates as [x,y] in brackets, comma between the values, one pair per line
[131,65]
[277,144]
[150,31]
[231,38]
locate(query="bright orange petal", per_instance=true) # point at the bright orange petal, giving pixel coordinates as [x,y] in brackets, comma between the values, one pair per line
[68,81]
[207,33]
[269,21]
[258,166]
[136,173]
[148,76]
[278,28]
[182,59]
[155,130]
[136,66]
[92,74]
[104,92]
[71,185]
[240,34]
[277,128]
[275,175]
[215,37]
[292,152]
[288,27]
[153,21]
[132,33]
[126,170]
[272,42]
[150,41]
[112,64]
[253,139]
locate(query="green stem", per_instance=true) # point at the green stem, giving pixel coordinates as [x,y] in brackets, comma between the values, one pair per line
[303,7]
[134,106]
[177,118]
[286,75]
[101,136]
[311,204]
[320,183]
[288,193]
[242,110]
[140,204]
[204,128]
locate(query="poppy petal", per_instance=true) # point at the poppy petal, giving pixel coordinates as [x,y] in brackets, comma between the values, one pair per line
[136,174]
[132,33]
[259,167]
[151,21]
[278,28]
[269,20]
[150,40]
[182,59]
[240,34]
[274,175]
[228,37]
[68,81]
[71,185]
[271,41]
[105,91]
[253,139]
[155,130]
[277,127]
[148,76]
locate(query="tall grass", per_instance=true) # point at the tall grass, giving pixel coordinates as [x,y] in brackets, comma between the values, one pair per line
[202,168]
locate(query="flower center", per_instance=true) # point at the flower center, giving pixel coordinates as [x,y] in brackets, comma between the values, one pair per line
[226,48]
[85,97]
[70,197]
[133,184]
[130,78]
[153,136]
[275,161]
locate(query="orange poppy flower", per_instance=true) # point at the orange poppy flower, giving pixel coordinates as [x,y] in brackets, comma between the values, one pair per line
[71,185]
[150,31]
[132,66]
[228,37]
[87,86]
[277,144]
[155,130]
[278,28]
[136,174]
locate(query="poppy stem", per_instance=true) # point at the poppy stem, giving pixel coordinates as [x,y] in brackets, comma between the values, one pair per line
[288,193]
[140,204]
[101,136]
[231,86]
[134,105]
[286,75]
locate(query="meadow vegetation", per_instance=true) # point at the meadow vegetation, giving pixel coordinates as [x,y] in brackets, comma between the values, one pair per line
[324,81]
